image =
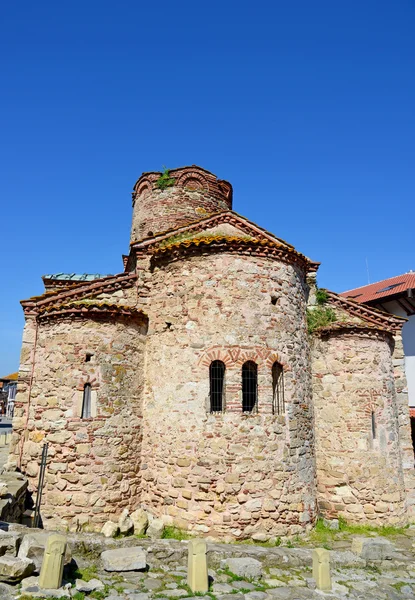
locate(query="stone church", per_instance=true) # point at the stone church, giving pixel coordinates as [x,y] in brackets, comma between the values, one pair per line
[190,384]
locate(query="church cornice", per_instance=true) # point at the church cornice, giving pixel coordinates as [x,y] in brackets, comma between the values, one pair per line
[34,305]
[252,240]
[377,318]
[73,310]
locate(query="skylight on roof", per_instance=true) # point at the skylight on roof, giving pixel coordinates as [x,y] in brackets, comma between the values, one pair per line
[389,287]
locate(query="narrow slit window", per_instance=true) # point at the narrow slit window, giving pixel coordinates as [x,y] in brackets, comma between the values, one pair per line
[217,385]
[86,402]
[249,387]
[373,425]
[278,401]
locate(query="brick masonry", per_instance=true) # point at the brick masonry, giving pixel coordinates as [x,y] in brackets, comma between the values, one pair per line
[231,293]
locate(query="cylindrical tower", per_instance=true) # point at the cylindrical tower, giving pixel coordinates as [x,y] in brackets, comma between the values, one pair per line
[212,462]
[190,194]
[359,464]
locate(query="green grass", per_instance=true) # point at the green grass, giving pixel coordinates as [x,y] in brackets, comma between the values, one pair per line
[174,533]
[320,316]
[398,585]
[322,535]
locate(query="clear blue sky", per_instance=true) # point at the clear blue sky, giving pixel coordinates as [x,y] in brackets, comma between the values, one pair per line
[307,108]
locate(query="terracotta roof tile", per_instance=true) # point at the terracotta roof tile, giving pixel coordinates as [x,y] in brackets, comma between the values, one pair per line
[11,377]
[382,289]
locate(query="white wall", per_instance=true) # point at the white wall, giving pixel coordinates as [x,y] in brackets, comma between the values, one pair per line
[408,338]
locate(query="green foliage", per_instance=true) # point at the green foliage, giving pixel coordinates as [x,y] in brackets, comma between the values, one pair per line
[322,535]
[232,576]
[321,296]
[165,181]
[78,596]
[174,533]
[100,594]
[320,316]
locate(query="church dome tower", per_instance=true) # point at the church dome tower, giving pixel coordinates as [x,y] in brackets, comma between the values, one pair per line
[181,196]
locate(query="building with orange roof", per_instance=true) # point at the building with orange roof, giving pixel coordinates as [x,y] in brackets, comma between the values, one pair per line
[395,296]
[210,382]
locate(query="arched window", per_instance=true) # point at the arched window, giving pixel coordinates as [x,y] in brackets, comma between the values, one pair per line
[278,402]
[217,381]
[249,386]
[86,402]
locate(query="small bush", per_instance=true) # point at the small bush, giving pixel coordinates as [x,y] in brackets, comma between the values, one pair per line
[174,533]
[321,296]
[320,316]
[165,181]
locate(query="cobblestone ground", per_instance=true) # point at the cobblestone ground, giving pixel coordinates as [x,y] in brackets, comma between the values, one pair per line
[284,584]
[377,580]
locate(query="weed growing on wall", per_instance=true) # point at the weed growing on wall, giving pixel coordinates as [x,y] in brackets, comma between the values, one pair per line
[165,181]
[320,315]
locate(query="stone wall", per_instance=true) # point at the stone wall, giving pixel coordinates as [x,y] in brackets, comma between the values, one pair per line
[407,449]
[229,474]
[359,474]
[93,464]
[196,193]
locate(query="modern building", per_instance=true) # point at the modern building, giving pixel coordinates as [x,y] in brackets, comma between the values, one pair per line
[8,389]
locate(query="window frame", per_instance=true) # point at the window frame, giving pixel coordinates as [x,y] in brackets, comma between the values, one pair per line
[249,387]
[217,386]
[86,409]
[278,391]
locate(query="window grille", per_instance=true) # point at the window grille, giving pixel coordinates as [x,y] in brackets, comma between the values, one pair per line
[249,387]
[373,425]
[278,400]
[86,402]
[217,381]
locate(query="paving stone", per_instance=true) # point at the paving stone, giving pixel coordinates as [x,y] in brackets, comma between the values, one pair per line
[7,592]
[124,559]
[221,588]
[152,584]
[243,585]
[245,567]
[274,583]
[255,595]
[175,593]
[88,586]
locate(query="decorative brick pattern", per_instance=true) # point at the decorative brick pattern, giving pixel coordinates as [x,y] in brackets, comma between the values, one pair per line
[203,284]
[196,193]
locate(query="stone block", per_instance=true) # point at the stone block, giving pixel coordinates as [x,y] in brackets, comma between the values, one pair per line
[14,569]
[197,571]
[140,521]
[124,559]
[9,542]
[244,567]
[88,586]
[373,548]
[53,560]
[125,523]
[110,529]
[321,569]
[155,529]
[33,547]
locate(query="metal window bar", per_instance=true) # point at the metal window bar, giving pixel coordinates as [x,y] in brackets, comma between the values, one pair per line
[42,470]
[86,402]
[217,381]
[278,400]
[249,387]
